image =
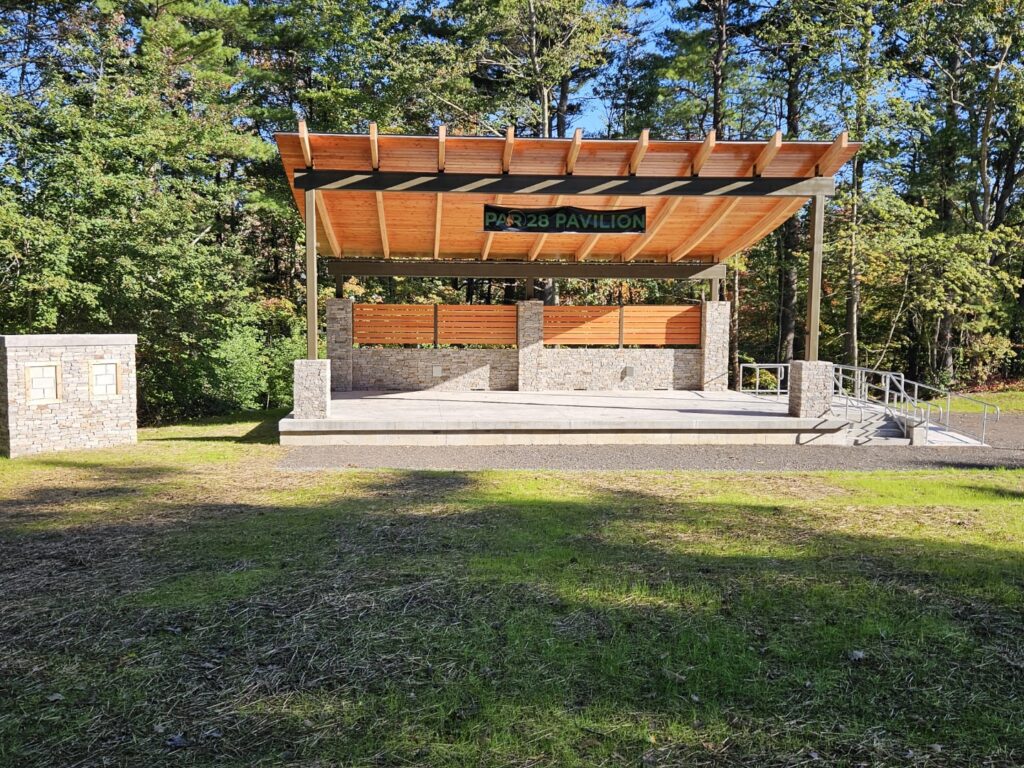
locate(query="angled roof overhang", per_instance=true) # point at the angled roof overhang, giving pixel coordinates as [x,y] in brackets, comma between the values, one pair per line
[416,199]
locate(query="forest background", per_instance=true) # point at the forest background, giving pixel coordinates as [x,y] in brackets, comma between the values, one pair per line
[140,189]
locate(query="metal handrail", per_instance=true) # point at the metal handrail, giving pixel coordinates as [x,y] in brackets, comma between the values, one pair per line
[901,396]
[949,395]
[780,371]
[889,393]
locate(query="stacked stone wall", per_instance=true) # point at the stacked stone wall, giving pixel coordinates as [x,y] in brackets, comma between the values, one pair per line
[88,399]
[454,369]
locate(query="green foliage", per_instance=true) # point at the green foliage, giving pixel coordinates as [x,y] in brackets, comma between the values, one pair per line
[139,191]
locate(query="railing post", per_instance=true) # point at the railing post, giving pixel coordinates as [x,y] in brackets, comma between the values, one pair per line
[622,325]
[435,326]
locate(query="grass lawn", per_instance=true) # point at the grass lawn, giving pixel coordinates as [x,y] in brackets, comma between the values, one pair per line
[1010,401]
[186,603]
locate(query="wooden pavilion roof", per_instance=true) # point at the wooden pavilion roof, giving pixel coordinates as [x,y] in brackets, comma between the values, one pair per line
[718,197]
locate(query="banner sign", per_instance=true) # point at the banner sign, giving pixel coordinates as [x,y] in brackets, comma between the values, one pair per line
[564,219]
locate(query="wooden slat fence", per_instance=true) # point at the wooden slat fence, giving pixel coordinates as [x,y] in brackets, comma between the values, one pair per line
[641,326]
[581,325]
[393,324]
[661,326]
[495,324]
[476,324]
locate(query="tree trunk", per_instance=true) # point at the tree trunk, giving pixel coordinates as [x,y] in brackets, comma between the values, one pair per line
[562,114]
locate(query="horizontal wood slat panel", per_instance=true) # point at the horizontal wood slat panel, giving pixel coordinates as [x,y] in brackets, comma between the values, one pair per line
[581,325]
[393,324]
[476,324]
[660,326]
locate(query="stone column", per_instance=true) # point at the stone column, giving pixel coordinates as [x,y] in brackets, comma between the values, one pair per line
[530,338]
[312,389]
[714,346]
[810,389]
[339,343]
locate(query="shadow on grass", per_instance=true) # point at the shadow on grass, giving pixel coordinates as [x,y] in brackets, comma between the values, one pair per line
[265,432]
[456,619]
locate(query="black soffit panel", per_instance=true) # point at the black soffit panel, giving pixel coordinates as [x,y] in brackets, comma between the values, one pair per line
[517,184]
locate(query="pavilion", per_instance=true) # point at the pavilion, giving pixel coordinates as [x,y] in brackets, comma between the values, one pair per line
[512,207]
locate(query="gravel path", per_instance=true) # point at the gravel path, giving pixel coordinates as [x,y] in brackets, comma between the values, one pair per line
[1006,439]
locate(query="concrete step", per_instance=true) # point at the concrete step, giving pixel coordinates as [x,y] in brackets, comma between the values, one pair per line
[876,441]
[875,429]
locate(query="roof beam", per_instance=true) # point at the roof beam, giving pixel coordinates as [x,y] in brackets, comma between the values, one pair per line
[574,151]
[771,149]
[779,212]
[498,268]
[670,206]
[374,148]
[703,153]
[506,153]
[583,185]
[307,152]
[639,150]
[437,225]
[706,228]
[385,248]
[827,164]
[442,134]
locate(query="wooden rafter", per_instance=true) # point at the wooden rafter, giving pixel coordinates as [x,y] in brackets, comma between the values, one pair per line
[506,153]
[489,238]
[591,242]
[442,133]
[829,157]
[703,153]
[767,155]
[706,228]
[538,244]
[385,248]
[779,212]
[574,151]
[374,148]
[663,216]
[437,224]
[639,150]
[307,152]
[325,219]
[587,248]
[321,205]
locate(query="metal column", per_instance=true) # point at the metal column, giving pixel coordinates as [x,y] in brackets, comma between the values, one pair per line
[814,278]
[311,286]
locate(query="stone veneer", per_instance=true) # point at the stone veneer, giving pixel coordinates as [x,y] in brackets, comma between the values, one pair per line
[530,337]
[312,389]
[90,403]
[714,343]
[811,385]
[591,368]
[401,368]
[532,366]
[339,343]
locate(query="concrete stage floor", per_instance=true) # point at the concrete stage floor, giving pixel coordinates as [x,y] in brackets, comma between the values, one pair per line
[552,410]
[678,417]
